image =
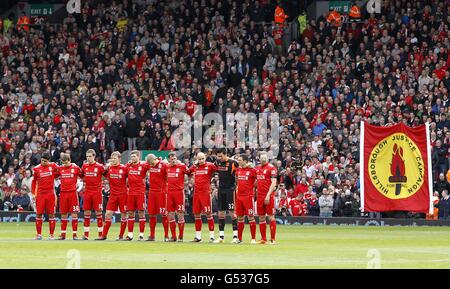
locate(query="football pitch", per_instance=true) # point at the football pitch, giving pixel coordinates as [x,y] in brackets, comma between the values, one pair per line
[297,247]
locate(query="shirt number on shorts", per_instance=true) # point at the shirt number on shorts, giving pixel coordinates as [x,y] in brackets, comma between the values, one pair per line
[76,208]
[207,209]
[162,211]
[231,206]
[180,207]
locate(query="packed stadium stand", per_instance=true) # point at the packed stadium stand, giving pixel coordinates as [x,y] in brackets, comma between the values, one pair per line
[111,78]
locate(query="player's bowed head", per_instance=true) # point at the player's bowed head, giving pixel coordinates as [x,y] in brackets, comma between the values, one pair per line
[243,161]
[134,157]
[263,158]
[151,159]
[114,160]
[65,159]
[201,159]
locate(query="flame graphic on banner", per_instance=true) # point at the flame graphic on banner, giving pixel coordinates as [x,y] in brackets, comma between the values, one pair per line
[397,169]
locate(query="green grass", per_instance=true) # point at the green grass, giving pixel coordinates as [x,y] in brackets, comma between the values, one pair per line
[298,247]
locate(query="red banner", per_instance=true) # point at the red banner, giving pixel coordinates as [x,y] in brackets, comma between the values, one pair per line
[395,168]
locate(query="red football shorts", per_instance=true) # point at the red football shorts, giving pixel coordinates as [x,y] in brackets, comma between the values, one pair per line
[117,202]
[135,202]
[262,209]
[244,206]
[68,203]
[46,203]
[201,204]
[156,203]
[93,202]
[175,201]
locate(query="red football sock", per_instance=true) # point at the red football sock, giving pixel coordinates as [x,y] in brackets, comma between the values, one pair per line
[74,226]
[165,223]
[253,229]
[198,224]
[52,225]
[100,224]
[106,229]
[180,229]
[240,229]
[273,229]
[87,223]
[142,225]
[173,229]
[262,229]
[211,224]
[63,227]
[130,225]
[123,225]
[39,226]
[152,227]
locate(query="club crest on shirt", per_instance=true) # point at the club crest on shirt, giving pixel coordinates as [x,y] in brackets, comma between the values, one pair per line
[265,171]
[178,170]
[139,168]
[248,173]
[50,168]
[72,171]
[120,171]
[159,166]
[95,170]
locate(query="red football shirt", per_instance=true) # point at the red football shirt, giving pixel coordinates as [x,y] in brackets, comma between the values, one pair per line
[175,177]
[69,177]
[44,178]
[92,174]
[190,107]
[296,207]
[246,178]
[158,176]
[117,176]
[264,175]
[202,177]
[136,177]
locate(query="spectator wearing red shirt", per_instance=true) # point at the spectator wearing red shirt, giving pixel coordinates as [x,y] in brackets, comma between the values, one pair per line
[300,188]
[297,206]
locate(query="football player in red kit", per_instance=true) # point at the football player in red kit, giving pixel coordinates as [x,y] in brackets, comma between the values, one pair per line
[43,188]
[116,173]
[246,177]
[265,202]
[203,172]
[93,200]
[176,172]
[157,195]
[137,173]
[68,200]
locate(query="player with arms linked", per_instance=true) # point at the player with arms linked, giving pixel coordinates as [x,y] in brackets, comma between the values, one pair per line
[92,172]
[266,174]
[68,200]
[176,173]
[137,173]
[245,192]
[157,195]
[116,173]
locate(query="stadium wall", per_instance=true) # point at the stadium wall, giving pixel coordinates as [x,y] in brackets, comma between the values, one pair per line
[25,217]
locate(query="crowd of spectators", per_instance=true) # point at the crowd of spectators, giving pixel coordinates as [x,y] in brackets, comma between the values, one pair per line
[112,77]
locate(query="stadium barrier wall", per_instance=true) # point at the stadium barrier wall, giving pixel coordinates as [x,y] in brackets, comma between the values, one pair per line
[24,217]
